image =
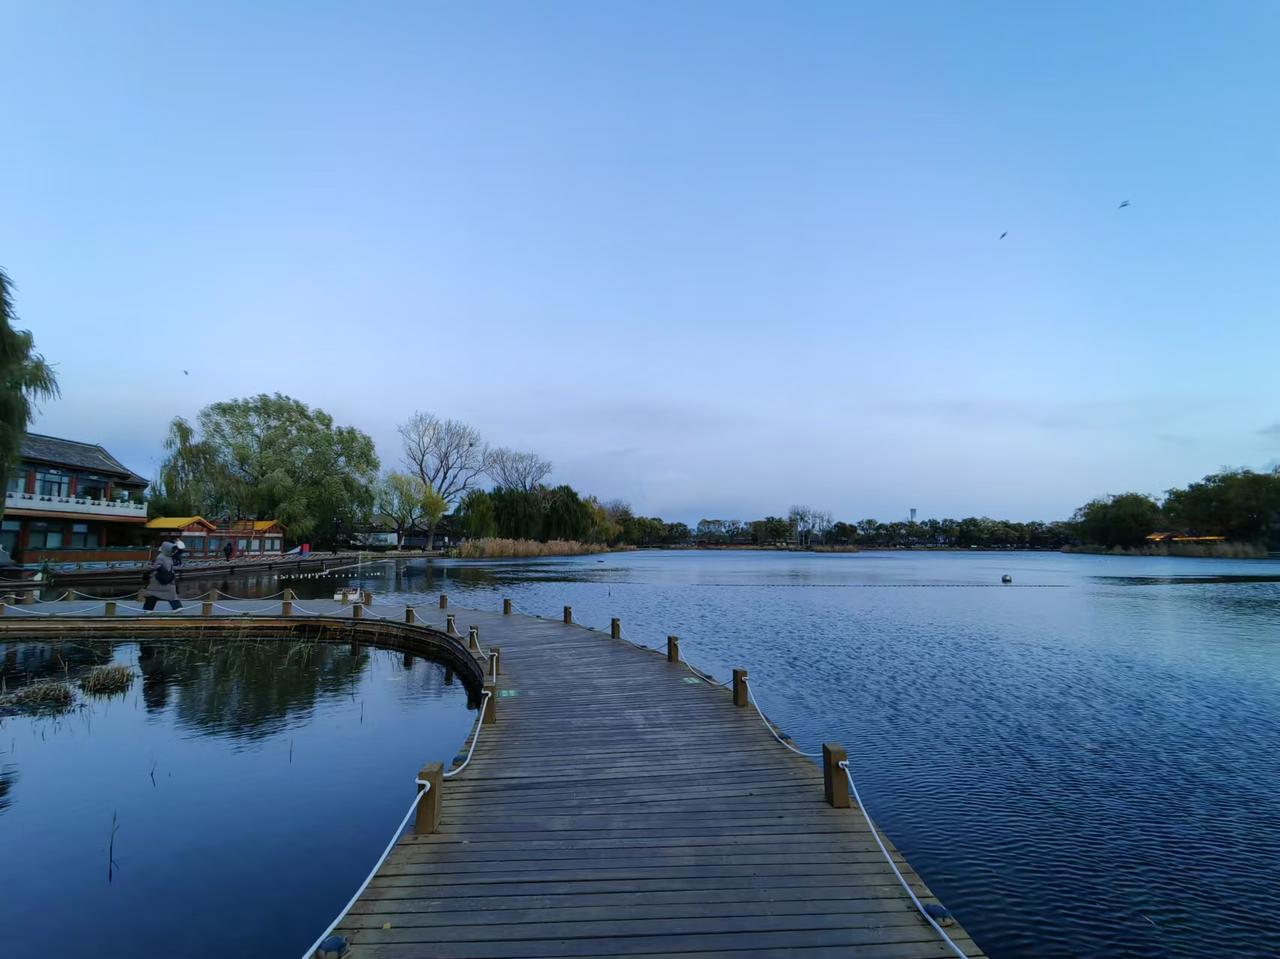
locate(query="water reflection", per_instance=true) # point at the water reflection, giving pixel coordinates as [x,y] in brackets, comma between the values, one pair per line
[224,774]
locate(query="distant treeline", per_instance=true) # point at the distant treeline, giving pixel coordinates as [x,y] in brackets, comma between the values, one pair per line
[1240,505]
[560,513]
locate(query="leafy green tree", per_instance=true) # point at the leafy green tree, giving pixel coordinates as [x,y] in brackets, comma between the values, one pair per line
[402,498]
[1123,520]
[27,379]
[1238,504]
[434,506]
[273,457]
[517,513]
[475,515]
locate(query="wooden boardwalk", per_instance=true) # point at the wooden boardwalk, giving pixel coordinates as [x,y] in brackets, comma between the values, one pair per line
[621,806]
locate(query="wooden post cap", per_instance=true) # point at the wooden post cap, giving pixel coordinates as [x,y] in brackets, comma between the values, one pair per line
[495,665]
[739,687]
[506,607]
[490,705]
[673,649]
[449,624]
[835,785]
[615,628]
[288,594]
[568,614]
[286,607]
[366,597]
[410,614]
[109,608]
[428,816]
[357,611]
[444,601]
[206,608]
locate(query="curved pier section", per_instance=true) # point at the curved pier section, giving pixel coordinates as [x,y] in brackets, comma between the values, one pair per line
[612,801]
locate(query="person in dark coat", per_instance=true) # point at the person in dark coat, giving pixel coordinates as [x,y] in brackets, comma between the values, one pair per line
[228,550]
[164,580]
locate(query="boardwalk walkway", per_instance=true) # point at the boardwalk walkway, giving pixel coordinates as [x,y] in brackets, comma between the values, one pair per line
[621,806]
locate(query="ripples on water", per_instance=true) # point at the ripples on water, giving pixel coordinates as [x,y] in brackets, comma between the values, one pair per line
[1088,770]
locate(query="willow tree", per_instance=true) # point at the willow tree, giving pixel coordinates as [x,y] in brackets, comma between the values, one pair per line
[27,378]
[272,457]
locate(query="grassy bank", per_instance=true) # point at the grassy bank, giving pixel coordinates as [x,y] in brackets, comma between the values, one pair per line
[1192,550]
[521,548]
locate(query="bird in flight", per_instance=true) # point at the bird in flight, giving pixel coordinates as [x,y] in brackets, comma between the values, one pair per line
[185,373]
[1123,204]
[1004,234]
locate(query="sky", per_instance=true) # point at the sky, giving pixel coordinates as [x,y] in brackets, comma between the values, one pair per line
[715,259]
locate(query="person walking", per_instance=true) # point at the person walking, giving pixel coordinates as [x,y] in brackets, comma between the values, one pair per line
[164,581]
[228,551]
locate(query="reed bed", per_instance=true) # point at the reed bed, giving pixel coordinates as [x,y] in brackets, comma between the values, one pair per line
[107,680]
[492,548]
[43,694]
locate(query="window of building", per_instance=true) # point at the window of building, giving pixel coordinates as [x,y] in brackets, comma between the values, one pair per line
[273,545]
[52,483]
[242,545]
[81,538]
[215,544]
[45,536]
[91,487]
[17,483]
[9,534]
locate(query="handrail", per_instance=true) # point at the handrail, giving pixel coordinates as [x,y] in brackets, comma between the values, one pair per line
[844,764]
[395,837]
[484,699]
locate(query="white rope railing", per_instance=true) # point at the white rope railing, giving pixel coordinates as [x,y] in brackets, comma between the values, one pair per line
[475,738]
[395,837]
[844,764]
[773,730]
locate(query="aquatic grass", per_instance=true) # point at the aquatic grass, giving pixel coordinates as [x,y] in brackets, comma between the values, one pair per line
[44,694]
[107,680]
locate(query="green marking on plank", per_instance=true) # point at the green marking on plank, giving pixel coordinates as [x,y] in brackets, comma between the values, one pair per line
[505,693]
[693,680]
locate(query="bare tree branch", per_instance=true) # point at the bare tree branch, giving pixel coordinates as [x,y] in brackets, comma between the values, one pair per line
[447,455]
[516,470]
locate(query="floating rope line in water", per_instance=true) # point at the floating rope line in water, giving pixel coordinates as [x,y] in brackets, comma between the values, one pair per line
[769,726]
[844,764]
[475,737]
[395,837]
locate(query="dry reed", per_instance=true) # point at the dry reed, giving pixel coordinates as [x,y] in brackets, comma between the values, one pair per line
[43,694]
[491,548]
[107,680]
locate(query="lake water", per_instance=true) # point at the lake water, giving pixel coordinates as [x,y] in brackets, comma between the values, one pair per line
[227,804]
[1082,764]
[1085,763]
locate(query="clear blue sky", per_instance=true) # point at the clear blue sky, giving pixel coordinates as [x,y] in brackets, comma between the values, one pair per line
[714,258]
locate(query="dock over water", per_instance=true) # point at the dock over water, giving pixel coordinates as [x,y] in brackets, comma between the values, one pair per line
[616,803]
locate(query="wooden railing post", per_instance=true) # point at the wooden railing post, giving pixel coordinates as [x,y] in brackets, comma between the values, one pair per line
[288,595]
[449,626]
[410,615]
[286,607]
[568,615]
[357,611]
[490,705]
[346,597]
[835,785]
[109,608]
[506,607]
[739,687]
[428,819]
[29,597]
[444,601]
[473,639]
[615,628]
[495,654]
[142,595]
[206,608]
[673,649]
[367,597]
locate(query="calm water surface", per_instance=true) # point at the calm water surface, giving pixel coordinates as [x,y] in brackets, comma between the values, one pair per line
[227,804]
[1083,764]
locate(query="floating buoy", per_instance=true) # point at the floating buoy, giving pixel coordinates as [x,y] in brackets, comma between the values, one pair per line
[1006,578]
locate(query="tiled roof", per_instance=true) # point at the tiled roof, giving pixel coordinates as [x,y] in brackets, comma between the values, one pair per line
[177,522]
[85,456]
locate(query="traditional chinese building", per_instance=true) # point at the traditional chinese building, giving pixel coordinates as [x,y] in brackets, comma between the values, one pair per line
[72,502]
[204,539]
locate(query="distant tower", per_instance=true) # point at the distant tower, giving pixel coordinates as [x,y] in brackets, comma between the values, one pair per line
[913,514]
